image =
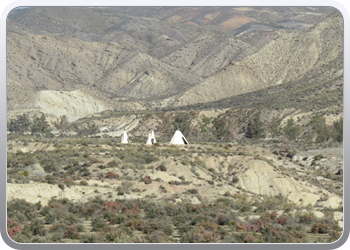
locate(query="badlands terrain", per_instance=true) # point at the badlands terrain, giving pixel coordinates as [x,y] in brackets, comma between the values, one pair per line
[257,92]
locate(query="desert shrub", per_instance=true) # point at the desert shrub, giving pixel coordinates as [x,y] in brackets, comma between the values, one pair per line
[234,179]
[321,228]
[23,209]
[198,219]
[92,238]
[112,164]
[98,223]
[241,227]
[147,179]
[71,232]
[36,227]
[84,183]
[306,218]
[157,237]
[13,227]
[57,228]
[270,216]
[283,236]
[199,235]
[150,158]
[192,191]
[161,168]
[130,209]
[110,175]
[90,208]
[118,219]
[270,203]
[223,219]
[282,221]
[168,230]
[250,239]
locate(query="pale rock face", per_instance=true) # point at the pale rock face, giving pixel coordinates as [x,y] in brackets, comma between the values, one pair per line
[338,215]
[341,224]
[39,192]
[74,105]
[303,198]
[195,201]
[318,214]
[332,202]
[260,178]
[36,170]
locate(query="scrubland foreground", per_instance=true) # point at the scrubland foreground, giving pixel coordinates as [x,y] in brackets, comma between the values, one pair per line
[98,190]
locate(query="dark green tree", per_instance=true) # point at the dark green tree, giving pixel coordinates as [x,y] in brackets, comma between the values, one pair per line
[62,123]
[255,128]
[40,125]
[319,127]
[19,125]
[292,131]
[337,130]
[182,121]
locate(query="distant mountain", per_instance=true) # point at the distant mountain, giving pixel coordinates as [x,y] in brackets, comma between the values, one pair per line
[306,57]
[129,58]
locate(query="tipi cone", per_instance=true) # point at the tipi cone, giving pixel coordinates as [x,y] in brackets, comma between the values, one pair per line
[125,138]
[153,137]
[149,140]
[178,138]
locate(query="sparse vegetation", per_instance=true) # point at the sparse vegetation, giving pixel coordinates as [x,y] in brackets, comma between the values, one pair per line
[264,162]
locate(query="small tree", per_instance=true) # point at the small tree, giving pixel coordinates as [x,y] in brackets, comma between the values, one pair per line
[62,123]
[19,125]
[292,131]
[39,125]
[182,121]
[337,130]
[255,128]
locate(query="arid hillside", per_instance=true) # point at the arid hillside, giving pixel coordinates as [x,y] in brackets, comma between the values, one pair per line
[133,59]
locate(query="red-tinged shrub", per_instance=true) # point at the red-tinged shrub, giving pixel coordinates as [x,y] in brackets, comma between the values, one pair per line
[250,239]
[13,227]
[131,209]
[282,221]
[273,232]
[110,206]
[147,179]
[94,161]
[137,240]
[252,228]
[271,216]
[110,175]
[203,236]
[241,227]
[306,218]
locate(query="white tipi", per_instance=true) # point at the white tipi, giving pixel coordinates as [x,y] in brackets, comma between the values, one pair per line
[151,139]
[178,138]
[125,138]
